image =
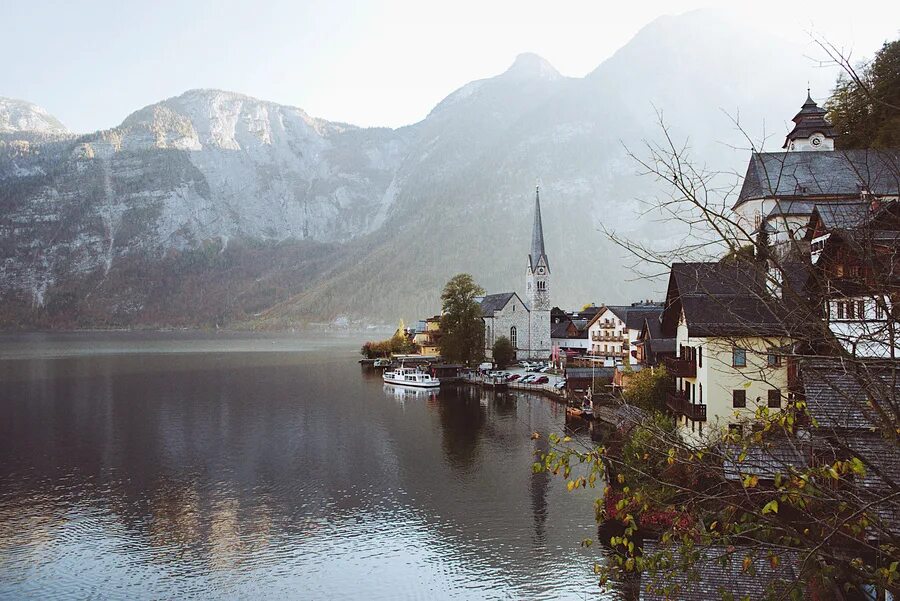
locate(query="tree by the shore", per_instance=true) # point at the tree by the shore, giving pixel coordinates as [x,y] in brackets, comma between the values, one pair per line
[504,353]
[462,328]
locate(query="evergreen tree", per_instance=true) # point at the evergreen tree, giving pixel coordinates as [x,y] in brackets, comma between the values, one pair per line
[866,113]
[461,324]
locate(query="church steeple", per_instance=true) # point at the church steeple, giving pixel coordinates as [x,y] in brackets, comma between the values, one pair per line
[537,235]
[812,131]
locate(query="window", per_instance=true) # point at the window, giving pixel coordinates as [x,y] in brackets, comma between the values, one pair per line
[541,285]
[861,309]
[879,310]
[738,399]
[775,399]
[513,338]
[736,429]
[738,357]
[700,393]
[840,310]
[699,356]
[773,359]
[487,335]
[849,308]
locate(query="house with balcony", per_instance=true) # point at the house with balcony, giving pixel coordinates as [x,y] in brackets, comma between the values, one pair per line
[427,336]
[608,335]
[732,344]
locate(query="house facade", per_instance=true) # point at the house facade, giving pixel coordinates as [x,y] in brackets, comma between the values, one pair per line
[608,335]
[731,347]
[428,336]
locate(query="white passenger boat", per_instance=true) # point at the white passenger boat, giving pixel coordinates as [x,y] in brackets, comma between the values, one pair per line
[406,376]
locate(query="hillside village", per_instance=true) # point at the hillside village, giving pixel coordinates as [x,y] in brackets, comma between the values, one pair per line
[801,316]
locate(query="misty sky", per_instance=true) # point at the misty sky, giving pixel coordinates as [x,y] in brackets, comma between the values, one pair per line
[367,63]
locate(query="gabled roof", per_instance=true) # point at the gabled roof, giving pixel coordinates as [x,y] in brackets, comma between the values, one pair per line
[720,574]
[722,299]
[637,316]
[495,302]
[822,174]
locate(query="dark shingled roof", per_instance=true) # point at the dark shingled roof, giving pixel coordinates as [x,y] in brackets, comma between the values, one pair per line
[840,173]
[844,215]
[637,315]
[722,299]
[837,393]
[559,330]
[713,579]
[495,302]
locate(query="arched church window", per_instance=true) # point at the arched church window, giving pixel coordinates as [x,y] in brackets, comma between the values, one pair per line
[512,336]
[487,334]
[541,285]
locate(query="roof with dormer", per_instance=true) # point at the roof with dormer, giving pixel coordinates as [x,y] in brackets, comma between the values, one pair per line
[811,119]
[825,175]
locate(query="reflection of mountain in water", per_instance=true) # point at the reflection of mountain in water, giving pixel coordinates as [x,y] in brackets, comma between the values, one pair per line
[162,473]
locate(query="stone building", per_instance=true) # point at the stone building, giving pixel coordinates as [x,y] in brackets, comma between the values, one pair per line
[526,322]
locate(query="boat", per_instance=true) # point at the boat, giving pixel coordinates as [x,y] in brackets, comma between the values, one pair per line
[382,363]
[585,410]
[406,376]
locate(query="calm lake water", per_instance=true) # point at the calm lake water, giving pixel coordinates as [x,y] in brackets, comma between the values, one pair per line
[173,466]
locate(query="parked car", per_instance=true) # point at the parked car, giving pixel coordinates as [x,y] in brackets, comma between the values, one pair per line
[513,377]
[527,380]
[524,364]
[560,385]
[542,380]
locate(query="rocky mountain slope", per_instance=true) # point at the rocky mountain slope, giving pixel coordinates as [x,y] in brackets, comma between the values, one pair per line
[215,207]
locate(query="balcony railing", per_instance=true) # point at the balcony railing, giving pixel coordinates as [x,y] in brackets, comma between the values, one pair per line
[606,338]
[678,403]
[681,368]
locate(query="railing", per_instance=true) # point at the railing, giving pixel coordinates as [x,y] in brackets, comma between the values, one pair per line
[681,368]
[678,403]
[607,338]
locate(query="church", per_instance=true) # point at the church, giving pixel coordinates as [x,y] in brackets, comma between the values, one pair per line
[526,322]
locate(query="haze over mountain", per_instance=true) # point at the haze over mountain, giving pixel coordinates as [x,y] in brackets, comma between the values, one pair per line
[215,207]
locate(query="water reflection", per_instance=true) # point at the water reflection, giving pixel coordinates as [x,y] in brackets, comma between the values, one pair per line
[240,474]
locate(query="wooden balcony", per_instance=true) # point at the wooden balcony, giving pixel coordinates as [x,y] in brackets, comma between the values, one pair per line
[681,368]
[678,403]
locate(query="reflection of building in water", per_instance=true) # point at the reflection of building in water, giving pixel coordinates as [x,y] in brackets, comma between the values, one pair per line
[462,422]
[540,483]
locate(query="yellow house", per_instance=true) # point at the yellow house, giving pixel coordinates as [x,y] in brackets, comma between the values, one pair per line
[731,346]
[428,335]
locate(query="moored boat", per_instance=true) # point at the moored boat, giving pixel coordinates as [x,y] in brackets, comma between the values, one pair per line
[405,376]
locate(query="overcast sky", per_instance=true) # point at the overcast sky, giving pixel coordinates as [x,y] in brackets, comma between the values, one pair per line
[363,62]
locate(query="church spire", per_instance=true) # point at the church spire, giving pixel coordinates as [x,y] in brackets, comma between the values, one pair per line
[537,234]
[812,131]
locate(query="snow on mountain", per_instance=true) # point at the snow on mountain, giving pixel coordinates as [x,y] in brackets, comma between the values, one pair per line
[20,116]
[213,205]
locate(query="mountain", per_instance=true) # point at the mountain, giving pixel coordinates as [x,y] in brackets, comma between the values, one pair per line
[215,207]
[18,116]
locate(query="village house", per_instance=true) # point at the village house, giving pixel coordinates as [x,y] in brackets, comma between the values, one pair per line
[526,323]
[651,347]
[569,330]
[854,253]
[609,336]
[428,336]
[730,346]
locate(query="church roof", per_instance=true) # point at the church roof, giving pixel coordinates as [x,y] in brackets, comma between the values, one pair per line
[839,173]
[537,234]
[809,120]
[495,302]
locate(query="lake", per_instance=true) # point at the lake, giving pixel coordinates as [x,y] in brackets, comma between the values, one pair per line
[239,466]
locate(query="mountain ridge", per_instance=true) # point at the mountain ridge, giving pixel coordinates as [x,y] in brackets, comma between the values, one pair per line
[239,209]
